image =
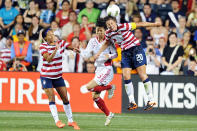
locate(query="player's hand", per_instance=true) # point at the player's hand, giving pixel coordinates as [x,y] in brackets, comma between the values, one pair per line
[76,50]
[158,24]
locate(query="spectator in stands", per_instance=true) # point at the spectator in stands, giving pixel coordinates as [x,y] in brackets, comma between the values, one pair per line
[76,33]
[62,15]
[131,8]
[91,12]
[30,13]
[138,34]
[7,16]
[186,44]
[68,28]
[56,30]
[47,16]
[102,4]
[172,56]
[19,20]
[5,53]
[192,19]
[162,44]
[181,29]
[34,34]
[22,50]
[17,28]
[90,67]
[86,27]
[141,4]
[172,20]
[153,56]
[147,15]
[163,9]
[73,62]
[158,32]
[2,40]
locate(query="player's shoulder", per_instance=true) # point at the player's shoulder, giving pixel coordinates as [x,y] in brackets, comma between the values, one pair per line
[44,44]
[93,39]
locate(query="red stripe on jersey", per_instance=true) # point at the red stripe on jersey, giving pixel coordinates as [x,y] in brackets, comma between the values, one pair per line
[127,26]
[5,51]
[41,47]
[128,37]
[7,57]
[51,70]
[121,26]
[51,76]
[51,65]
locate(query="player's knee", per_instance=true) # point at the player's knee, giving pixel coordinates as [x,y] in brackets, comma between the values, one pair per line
[143,76]
[127,76]
[95,95]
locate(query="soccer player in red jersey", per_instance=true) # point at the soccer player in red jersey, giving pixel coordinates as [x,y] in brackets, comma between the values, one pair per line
[51,75]
[133,56]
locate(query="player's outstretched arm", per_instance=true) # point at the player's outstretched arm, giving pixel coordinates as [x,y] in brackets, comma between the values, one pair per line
[147,24]
[104,46]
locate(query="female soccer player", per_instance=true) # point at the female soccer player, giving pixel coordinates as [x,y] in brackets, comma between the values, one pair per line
[51,75]
[133,56]
[104,71]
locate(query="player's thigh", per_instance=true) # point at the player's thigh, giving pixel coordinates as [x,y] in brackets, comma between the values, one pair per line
[91,84]
[46,82]
[126,73]
[50,94]
[104,75]
[95,95]
[142,72]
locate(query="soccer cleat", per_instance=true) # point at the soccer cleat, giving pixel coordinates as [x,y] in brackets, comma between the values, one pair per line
[132,106]
[74,125]
[59,124]
[108,118]
[149,105]
[111,92]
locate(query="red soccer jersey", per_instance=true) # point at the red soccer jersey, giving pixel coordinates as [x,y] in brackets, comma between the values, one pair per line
[123,36]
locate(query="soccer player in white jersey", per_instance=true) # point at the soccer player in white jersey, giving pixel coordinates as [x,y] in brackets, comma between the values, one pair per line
[51,76]
[133,56]
[104,71]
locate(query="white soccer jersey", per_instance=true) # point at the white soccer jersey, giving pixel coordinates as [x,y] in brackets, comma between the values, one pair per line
[94,46]
[53,69]
[123,36]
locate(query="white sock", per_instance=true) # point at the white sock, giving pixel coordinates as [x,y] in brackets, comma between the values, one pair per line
[68,112]
[54,113]
[130,92]
[148,88]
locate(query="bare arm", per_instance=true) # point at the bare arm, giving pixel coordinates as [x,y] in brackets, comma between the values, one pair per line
[50,57]
[177,62]
[147,24]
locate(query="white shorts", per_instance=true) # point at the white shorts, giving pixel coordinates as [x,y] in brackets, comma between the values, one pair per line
[104,75]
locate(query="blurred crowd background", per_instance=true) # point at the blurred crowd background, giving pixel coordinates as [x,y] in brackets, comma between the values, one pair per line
[170,49]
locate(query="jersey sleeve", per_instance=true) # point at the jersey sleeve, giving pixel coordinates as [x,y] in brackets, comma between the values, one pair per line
[89,49]
[63,44]
[43,49]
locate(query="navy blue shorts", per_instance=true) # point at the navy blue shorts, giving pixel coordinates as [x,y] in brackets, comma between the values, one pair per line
[133,57]
[49,83]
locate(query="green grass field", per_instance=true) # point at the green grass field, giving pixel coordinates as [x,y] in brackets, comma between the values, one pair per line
[42,121]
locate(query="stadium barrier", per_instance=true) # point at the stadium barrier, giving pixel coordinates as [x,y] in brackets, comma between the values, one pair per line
[173,94]
[22,91]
